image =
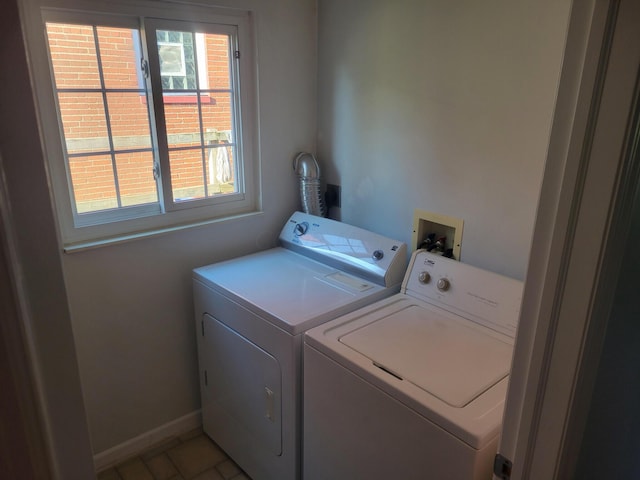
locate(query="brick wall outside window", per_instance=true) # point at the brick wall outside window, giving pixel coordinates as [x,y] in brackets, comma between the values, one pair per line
[75,65]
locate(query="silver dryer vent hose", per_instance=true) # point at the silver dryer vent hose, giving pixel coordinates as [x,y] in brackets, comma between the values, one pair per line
[306,166]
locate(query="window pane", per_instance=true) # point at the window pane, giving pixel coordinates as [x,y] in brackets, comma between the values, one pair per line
[220,170]
[105,116]
[93,183]
[216,115]
[73,55]
[135,178]
[120,58]
[177,54]
[198,110]
[84,121]
[217,61]
[129,120]
[187,174]
[182,122]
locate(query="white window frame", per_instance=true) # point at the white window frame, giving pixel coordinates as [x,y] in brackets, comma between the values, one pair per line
[169,215]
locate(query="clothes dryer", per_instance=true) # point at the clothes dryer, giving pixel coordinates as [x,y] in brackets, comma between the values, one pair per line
[412,386]
[251,314]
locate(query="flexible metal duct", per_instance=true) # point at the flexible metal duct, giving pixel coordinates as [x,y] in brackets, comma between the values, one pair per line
[306,166]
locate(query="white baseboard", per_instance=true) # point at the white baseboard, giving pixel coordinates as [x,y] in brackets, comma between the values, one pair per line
[134,446]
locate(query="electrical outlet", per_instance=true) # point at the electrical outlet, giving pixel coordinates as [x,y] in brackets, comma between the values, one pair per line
[332,196]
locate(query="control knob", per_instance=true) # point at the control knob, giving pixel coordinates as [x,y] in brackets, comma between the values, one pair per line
[378,254]
[443,284]
[424,277]
[301,228]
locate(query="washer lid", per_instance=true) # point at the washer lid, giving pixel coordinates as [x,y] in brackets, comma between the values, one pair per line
[453,360]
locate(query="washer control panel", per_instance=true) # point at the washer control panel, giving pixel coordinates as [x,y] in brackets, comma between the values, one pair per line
[479,295]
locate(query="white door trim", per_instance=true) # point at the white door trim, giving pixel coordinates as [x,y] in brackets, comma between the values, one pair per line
[580,188]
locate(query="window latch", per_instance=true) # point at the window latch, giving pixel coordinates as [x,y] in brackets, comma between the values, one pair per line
[144,67]
[156,170]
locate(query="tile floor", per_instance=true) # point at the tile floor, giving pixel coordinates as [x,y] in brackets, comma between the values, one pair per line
[192,456]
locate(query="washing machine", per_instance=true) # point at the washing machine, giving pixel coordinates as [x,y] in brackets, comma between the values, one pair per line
[412,386]
[251,315]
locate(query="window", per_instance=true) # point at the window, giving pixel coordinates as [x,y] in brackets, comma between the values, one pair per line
[154,121]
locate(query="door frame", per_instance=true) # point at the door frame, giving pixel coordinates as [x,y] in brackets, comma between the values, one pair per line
[42,379]
[585,195]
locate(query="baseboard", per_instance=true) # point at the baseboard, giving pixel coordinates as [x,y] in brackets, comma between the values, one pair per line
[117,454]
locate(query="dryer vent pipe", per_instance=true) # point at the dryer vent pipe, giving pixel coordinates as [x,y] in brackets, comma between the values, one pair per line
[306,166]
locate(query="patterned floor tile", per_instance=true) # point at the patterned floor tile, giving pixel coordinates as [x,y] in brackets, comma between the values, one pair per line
[134,470]
[195,456]
[161,467]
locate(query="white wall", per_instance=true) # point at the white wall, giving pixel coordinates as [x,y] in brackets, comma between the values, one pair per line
[441,106]
[131,304]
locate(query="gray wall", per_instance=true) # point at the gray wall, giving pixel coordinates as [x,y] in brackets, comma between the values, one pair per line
[131,304]
[441,106]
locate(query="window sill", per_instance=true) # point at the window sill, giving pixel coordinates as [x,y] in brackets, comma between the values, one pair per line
[83,246]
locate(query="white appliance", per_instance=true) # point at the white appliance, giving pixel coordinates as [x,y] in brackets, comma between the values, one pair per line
[412,386]
[251,314]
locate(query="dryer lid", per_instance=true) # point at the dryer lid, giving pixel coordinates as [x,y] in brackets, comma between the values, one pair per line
[452,360]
